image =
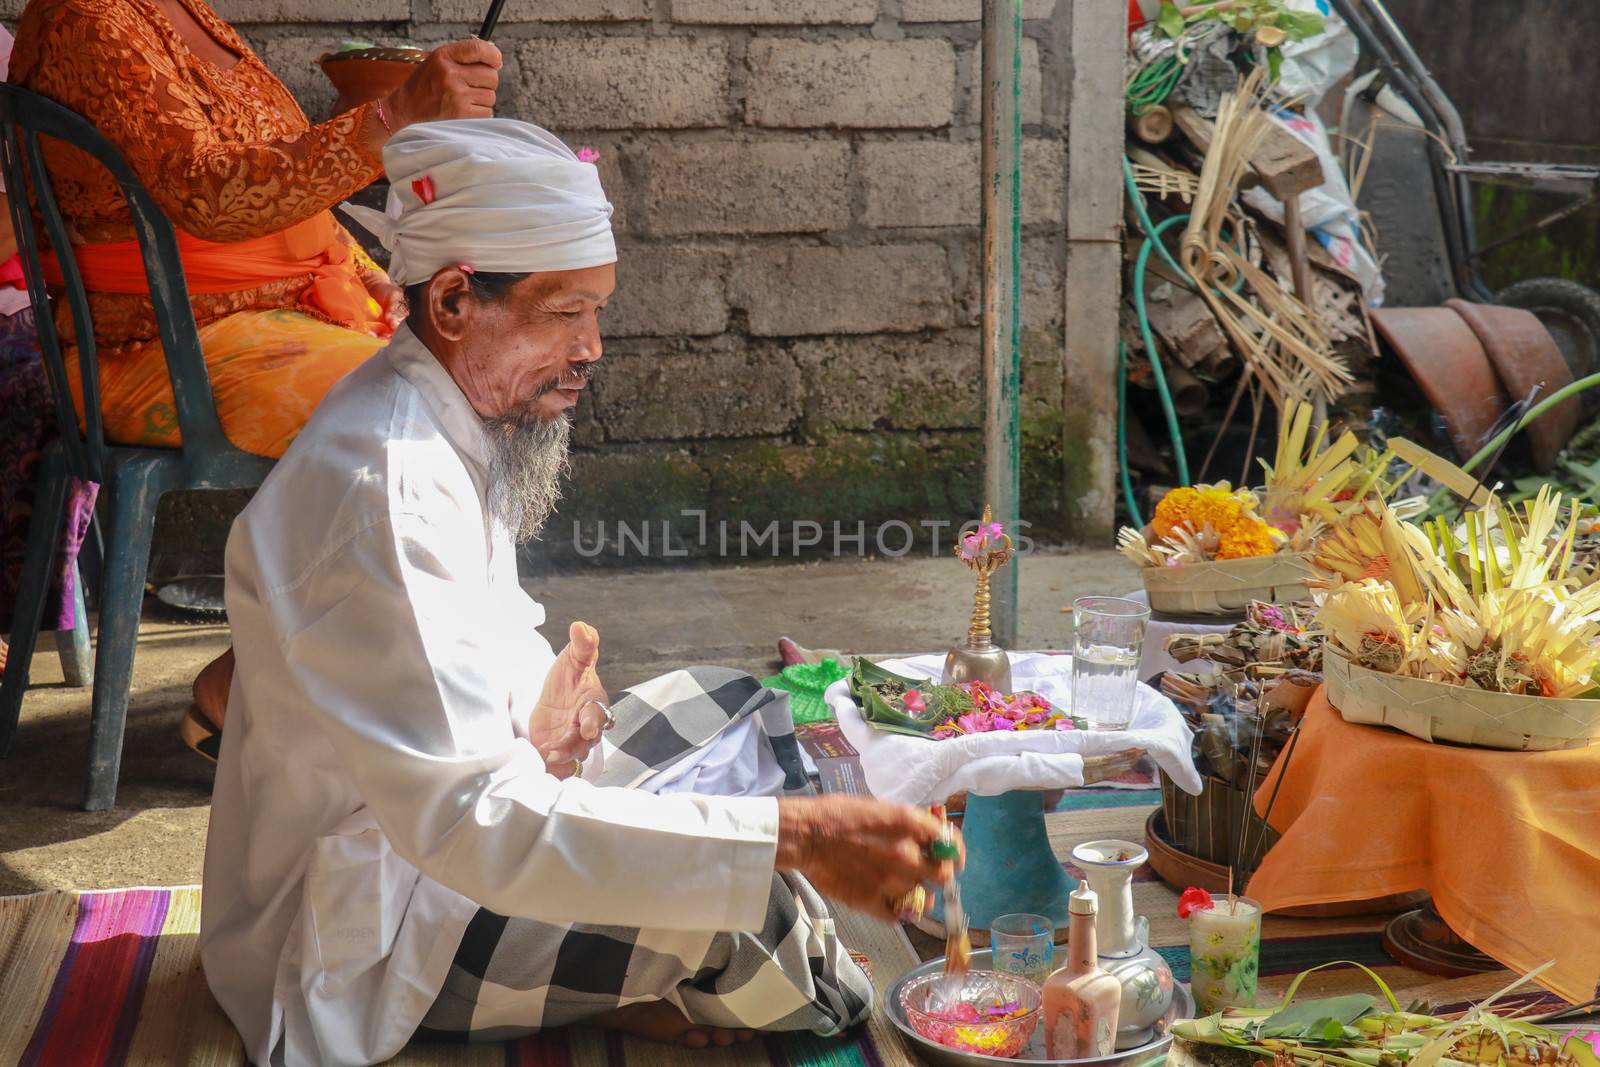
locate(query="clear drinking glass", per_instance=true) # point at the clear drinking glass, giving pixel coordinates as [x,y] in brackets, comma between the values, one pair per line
[1024,945]
[1224,955]
[1108,638]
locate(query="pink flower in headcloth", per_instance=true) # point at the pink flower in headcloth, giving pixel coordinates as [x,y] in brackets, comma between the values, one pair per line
[423,187]
[587,154]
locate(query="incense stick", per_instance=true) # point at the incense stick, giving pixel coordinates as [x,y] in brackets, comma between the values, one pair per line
[491,19]
[1266,816]
[1260,724]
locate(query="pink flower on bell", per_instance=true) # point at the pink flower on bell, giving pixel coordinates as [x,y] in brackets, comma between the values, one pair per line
[994,530]
[913,701]
[587,154]
[423,187]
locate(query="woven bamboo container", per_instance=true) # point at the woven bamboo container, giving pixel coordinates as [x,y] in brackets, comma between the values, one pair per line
[1435,711]
[1226,587]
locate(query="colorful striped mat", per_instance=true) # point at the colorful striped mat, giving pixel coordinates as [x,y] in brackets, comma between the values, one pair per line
[113,978]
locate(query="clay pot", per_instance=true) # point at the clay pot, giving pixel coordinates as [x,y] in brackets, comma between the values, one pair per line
[1447,360]
[1524,355]
[363,75]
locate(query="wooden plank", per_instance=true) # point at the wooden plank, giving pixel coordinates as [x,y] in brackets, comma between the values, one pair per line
[1282,164]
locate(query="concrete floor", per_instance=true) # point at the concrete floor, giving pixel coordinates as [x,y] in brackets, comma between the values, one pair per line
[649,621]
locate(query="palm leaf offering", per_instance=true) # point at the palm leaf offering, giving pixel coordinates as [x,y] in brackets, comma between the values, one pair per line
[1491,603]
[920,707]
[1313,480]
[1365,1031]
[882,696]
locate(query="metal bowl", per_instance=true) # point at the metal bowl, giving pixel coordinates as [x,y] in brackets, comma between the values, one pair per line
[940,1056]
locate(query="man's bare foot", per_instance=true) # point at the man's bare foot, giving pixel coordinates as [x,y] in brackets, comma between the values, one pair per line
[211,687]
[658,1020]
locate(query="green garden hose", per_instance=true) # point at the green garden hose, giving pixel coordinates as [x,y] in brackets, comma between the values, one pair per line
[1153,83]
[1532,413]
[1122,436]
[1140,265]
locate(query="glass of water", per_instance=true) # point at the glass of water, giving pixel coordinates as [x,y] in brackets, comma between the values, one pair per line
[1024,945]
[1107,642]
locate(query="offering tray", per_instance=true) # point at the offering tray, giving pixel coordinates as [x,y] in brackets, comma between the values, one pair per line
[1034,1055]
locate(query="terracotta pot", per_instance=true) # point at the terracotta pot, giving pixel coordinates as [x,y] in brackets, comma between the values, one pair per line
[365,74]
[1447,360]
[1524,355]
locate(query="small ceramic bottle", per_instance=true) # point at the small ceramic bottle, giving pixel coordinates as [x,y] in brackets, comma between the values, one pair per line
[1081,1001]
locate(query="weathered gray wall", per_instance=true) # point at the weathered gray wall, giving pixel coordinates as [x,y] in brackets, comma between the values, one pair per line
[1524,75]
[794,336]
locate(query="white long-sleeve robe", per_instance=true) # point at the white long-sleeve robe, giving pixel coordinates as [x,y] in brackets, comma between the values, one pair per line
[376,784]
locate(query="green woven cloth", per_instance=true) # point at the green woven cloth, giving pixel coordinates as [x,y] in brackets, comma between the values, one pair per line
[805,683]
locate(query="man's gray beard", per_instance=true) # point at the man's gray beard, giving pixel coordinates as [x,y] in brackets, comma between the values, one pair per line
[527,457]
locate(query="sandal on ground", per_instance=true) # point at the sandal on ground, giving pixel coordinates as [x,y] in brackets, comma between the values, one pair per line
[199,734]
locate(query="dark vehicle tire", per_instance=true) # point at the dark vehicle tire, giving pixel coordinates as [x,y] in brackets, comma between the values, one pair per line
[1571,312]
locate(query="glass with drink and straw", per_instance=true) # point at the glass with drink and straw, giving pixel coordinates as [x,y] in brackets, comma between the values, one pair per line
[1107,641]
[1224,950]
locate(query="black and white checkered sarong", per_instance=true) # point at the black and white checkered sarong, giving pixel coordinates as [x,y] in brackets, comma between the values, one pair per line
[511,977]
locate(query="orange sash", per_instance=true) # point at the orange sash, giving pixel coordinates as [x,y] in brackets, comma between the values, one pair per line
[311,247]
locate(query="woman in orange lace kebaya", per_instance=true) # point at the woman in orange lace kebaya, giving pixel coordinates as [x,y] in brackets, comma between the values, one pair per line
[285,300]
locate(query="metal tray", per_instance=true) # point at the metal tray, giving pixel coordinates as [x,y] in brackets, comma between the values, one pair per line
[938,1055]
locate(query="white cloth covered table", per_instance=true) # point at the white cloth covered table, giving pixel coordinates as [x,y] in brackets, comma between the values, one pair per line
[1153,658]
[920,771]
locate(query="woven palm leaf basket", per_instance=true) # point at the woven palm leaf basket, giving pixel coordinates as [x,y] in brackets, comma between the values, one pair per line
[1226,587]
[1435,711]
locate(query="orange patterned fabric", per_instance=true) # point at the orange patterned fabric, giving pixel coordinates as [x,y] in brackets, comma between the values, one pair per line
[269,370]
[226,153]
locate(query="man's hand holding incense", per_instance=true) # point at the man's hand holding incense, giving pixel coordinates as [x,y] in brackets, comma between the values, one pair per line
[861,852]
[571,713]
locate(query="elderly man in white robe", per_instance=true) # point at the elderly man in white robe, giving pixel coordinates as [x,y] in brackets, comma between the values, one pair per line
[407,838]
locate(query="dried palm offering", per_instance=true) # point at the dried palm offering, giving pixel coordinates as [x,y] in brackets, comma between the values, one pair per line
[1498,609]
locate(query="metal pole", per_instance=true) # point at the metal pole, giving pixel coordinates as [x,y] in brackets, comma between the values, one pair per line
[1002,272]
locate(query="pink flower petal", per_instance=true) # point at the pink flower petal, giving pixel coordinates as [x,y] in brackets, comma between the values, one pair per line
[587,154]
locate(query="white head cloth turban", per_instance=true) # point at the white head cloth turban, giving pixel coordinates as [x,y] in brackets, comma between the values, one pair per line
[493,195]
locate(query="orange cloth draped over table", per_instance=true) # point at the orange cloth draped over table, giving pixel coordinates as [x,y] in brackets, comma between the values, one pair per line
[277,286]
[1508,843]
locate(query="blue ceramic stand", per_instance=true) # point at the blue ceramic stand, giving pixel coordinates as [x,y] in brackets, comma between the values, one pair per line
[1010,866]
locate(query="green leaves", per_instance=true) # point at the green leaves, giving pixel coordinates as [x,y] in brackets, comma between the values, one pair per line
[1170,20]
[879,691]
[1300,24]
[1317,1020]
[1244,16]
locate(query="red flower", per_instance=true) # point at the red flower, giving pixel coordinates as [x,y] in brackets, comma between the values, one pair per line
[1194,900]
[423,187]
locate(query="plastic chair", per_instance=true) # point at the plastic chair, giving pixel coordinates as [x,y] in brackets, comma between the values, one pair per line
[132,480]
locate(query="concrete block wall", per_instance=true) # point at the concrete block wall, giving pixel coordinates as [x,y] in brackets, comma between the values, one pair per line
[795,335]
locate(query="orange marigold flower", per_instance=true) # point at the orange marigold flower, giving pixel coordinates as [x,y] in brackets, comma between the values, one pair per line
[1247,538]
[1174,511]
